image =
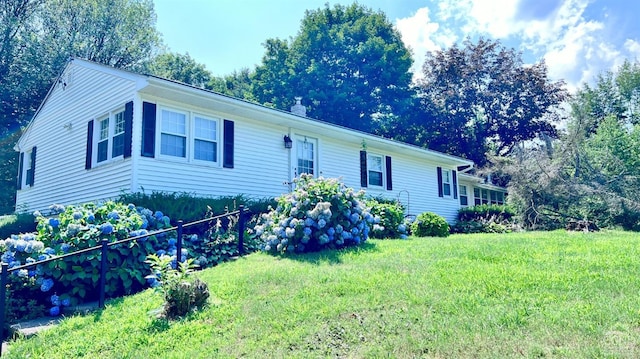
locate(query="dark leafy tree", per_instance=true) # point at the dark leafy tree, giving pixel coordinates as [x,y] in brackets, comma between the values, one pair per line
[347,62]
[181,68]
[481,99]
[237,84]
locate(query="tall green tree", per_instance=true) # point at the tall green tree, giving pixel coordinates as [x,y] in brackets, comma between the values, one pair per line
[347,62]
[615,93]
[181,68]
[481,98]
[237,84]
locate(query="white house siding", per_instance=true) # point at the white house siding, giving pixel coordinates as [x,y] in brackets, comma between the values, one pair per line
[60,175]
[261,163]
[415,182]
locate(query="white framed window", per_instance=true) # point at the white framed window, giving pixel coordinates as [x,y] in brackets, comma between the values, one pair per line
[205,139]
[190,136]
[446,183]
[173,137]
[118,135]
[375,170]
[306,156]
[109,135]
[464,197]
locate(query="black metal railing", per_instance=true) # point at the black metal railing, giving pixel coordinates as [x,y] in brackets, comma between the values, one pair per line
[104,248]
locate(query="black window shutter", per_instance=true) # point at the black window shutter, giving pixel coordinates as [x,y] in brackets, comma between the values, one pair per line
[440,193]
[455,184]
[32,174]
[128,128]
[227,161]
[89,155]
[388,168]
[363,169]
[20,169]
[148,129]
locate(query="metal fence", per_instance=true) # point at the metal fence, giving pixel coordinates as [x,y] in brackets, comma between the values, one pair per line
[104,248]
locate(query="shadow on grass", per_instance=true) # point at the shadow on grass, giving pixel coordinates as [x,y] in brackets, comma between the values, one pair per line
[332,256]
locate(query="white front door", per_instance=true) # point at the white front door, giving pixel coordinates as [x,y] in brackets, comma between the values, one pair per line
[305,153]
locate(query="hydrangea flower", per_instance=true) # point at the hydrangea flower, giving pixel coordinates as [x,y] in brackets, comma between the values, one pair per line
[91,217]
[23,273]
[50,251]
[66,302]
[46,285]
[158,215]
[55,300]
[106,228]
[54,222]
[65,247]
[113,215]
[77,215]
[54,311]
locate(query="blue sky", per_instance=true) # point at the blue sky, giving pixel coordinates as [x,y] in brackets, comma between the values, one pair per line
[577,38]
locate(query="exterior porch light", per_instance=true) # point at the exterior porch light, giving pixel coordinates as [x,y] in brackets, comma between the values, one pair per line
[287,141]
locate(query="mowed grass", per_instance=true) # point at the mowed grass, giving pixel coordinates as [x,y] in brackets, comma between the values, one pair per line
[530,295]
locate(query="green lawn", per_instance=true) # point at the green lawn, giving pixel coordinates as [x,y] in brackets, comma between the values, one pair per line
[525,295]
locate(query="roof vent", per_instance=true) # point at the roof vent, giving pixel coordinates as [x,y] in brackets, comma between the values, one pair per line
[298,108]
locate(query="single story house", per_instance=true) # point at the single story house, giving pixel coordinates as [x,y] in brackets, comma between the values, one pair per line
[103,131]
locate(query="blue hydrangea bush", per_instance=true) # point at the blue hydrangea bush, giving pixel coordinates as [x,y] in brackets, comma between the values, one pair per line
[320,213]
[60,283]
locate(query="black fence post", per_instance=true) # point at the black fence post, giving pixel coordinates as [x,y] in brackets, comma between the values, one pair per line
[3,300]
[103,272]
[241,226]
[179,244]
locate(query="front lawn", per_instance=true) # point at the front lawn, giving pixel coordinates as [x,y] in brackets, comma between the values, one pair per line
[538,294]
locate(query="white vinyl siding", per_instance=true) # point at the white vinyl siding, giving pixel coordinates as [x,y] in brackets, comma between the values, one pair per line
[61,177]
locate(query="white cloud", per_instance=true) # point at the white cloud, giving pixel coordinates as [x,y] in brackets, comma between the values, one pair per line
[422,35]
[575,48]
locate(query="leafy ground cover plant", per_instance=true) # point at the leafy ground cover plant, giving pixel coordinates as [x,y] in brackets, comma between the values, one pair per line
[320,213]
[181,291]
[429,224]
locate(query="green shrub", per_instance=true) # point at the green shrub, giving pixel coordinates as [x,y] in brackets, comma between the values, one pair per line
[188,207]
[429,224]
[486,211]
[389,219]
[16,223]
[182,292]
[320,213]
[486,218]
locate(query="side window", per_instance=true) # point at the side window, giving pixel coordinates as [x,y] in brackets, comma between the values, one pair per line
[118,135]
[375,170]
[464,199]
[446,183]
[103,140]
[173,139]
[476,197]
[205,143]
